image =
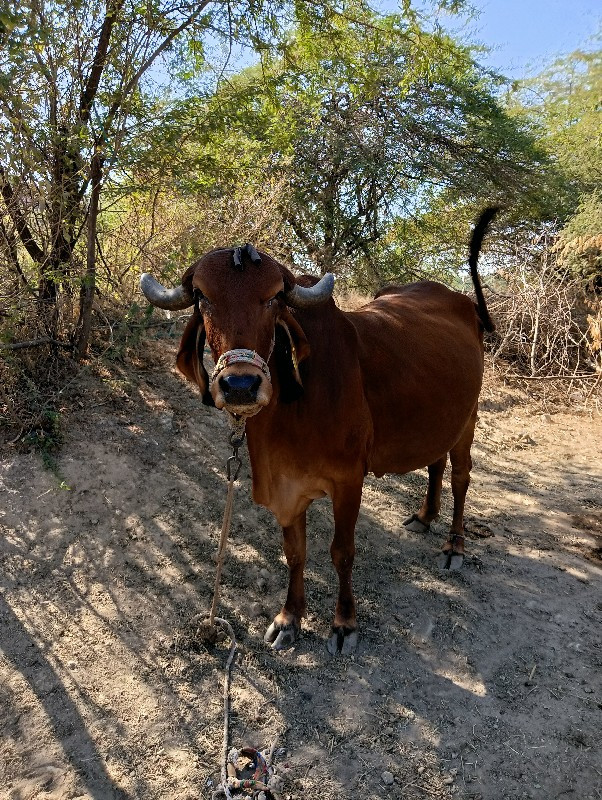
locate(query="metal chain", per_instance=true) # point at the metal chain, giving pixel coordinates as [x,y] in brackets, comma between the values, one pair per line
[234,463]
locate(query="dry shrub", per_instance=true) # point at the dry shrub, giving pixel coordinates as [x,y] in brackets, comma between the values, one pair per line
[32,363]
[547,341]
[351,299]
[141,232]
[540,330]
[163,234]
[594,328]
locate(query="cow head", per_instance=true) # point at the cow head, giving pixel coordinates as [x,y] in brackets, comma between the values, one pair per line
[242,303]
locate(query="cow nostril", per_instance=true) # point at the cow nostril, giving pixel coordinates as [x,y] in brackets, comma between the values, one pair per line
[240,382]
[240,388]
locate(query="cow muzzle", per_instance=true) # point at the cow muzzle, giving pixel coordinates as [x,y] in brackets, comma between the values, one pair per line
[241,382]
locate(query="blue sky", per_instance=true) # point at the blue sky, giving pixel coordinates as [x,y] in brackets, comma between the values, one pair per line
[525,35]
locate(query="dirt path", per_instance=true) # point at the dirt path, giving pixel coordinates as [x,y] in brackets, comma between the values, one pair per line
[480,684]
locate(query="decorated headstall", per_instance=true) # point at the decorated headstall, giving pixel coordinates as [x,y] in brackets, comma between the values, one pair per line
[245,356]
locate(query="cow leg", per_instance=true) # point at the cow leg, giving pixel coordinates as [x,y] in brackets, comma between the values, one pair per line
[452,553]
[346,505]
[420,522]
[285,628]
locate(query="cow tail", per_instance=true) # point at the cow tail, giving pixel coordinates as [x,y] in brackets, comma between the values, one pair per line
[475,248]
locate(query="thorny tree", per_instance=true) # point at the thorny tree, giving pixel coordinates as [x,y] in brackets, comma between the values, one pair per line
[72,92]
[368,121]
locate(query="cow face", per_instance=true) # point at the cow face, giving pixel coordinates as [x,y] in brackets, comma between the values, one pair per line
[241,309]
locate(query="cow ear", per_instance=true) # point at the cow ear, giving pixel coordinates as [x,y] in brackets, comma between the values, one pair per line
[190,356]
[287,277]
[291,348]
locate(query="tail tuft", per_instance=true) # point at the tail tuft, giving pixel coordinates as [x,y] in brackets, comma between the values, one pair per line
[475,248]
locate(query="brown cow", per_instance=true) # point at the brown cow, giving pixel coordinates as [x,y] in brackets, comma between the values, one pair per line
[329,396]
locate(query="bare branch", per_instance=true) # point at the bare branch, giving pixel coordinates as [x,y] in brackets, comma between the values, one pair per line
[100,60]
[34,343]
[21,226]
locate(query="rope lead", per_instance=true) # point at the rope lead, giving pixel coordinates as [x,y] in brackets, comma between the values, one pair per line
[260,782]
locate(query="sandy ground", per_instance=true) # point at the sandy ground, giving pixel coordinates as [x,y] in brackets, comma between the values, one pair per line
[485,683]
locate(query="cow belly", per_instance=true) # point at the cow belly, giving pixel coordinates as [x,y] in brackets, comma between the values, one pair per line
[396,458]
[418,439]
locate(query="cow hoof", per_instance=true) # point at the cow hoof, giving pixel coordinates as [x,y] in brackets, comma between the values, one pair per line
[279,637]
[456,561]
[450,561]
[342,642]
[416,525]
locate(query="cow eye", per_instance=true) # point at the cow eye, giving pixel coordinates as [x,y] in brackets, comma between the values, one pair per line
[269,303]
[201,298]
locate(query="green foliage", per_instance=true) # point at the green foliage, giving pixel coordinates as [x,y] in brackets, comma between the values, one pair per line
[565,102]
[361,143]
[579,243]
[87,98]
[370,125]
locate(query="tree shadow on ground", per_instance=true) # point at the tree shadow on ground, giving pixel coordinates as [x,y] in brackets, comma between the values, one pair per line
[109,573]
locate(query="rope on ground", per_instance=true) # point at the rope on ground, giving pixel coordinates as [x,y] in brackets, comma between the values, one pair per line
[227,679]
[221,553]
[263,780]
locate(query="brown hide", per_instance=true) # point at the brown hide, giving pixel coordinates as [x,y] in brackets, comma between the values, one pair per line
[421,356]
[301,451]
[388,388]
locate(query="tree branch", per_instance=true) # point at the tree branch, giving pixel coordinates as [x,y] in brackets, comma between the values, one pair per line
[18,220]
[34,343]
[100,60]
[133,82]
[11,245]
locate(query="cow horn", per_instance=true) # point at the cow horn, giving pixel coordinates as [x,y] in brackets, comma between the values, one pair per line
[307,296]
[171,299]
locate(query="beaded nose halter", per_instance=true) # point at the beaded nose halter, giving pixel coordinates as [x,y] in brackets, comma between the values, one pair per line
[240,356]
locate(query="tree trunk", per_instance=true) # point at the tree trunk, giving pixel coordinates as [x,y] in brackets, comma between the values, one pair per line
[86,300]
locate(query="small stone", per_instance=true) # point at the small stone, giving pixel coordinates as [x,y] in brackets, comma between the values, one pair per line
[255,610]
[275,783]
[388,778]
[421,769]
[72,664]
[265,573]
[261,584]
[448,781]
[166,421]
[453,772]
